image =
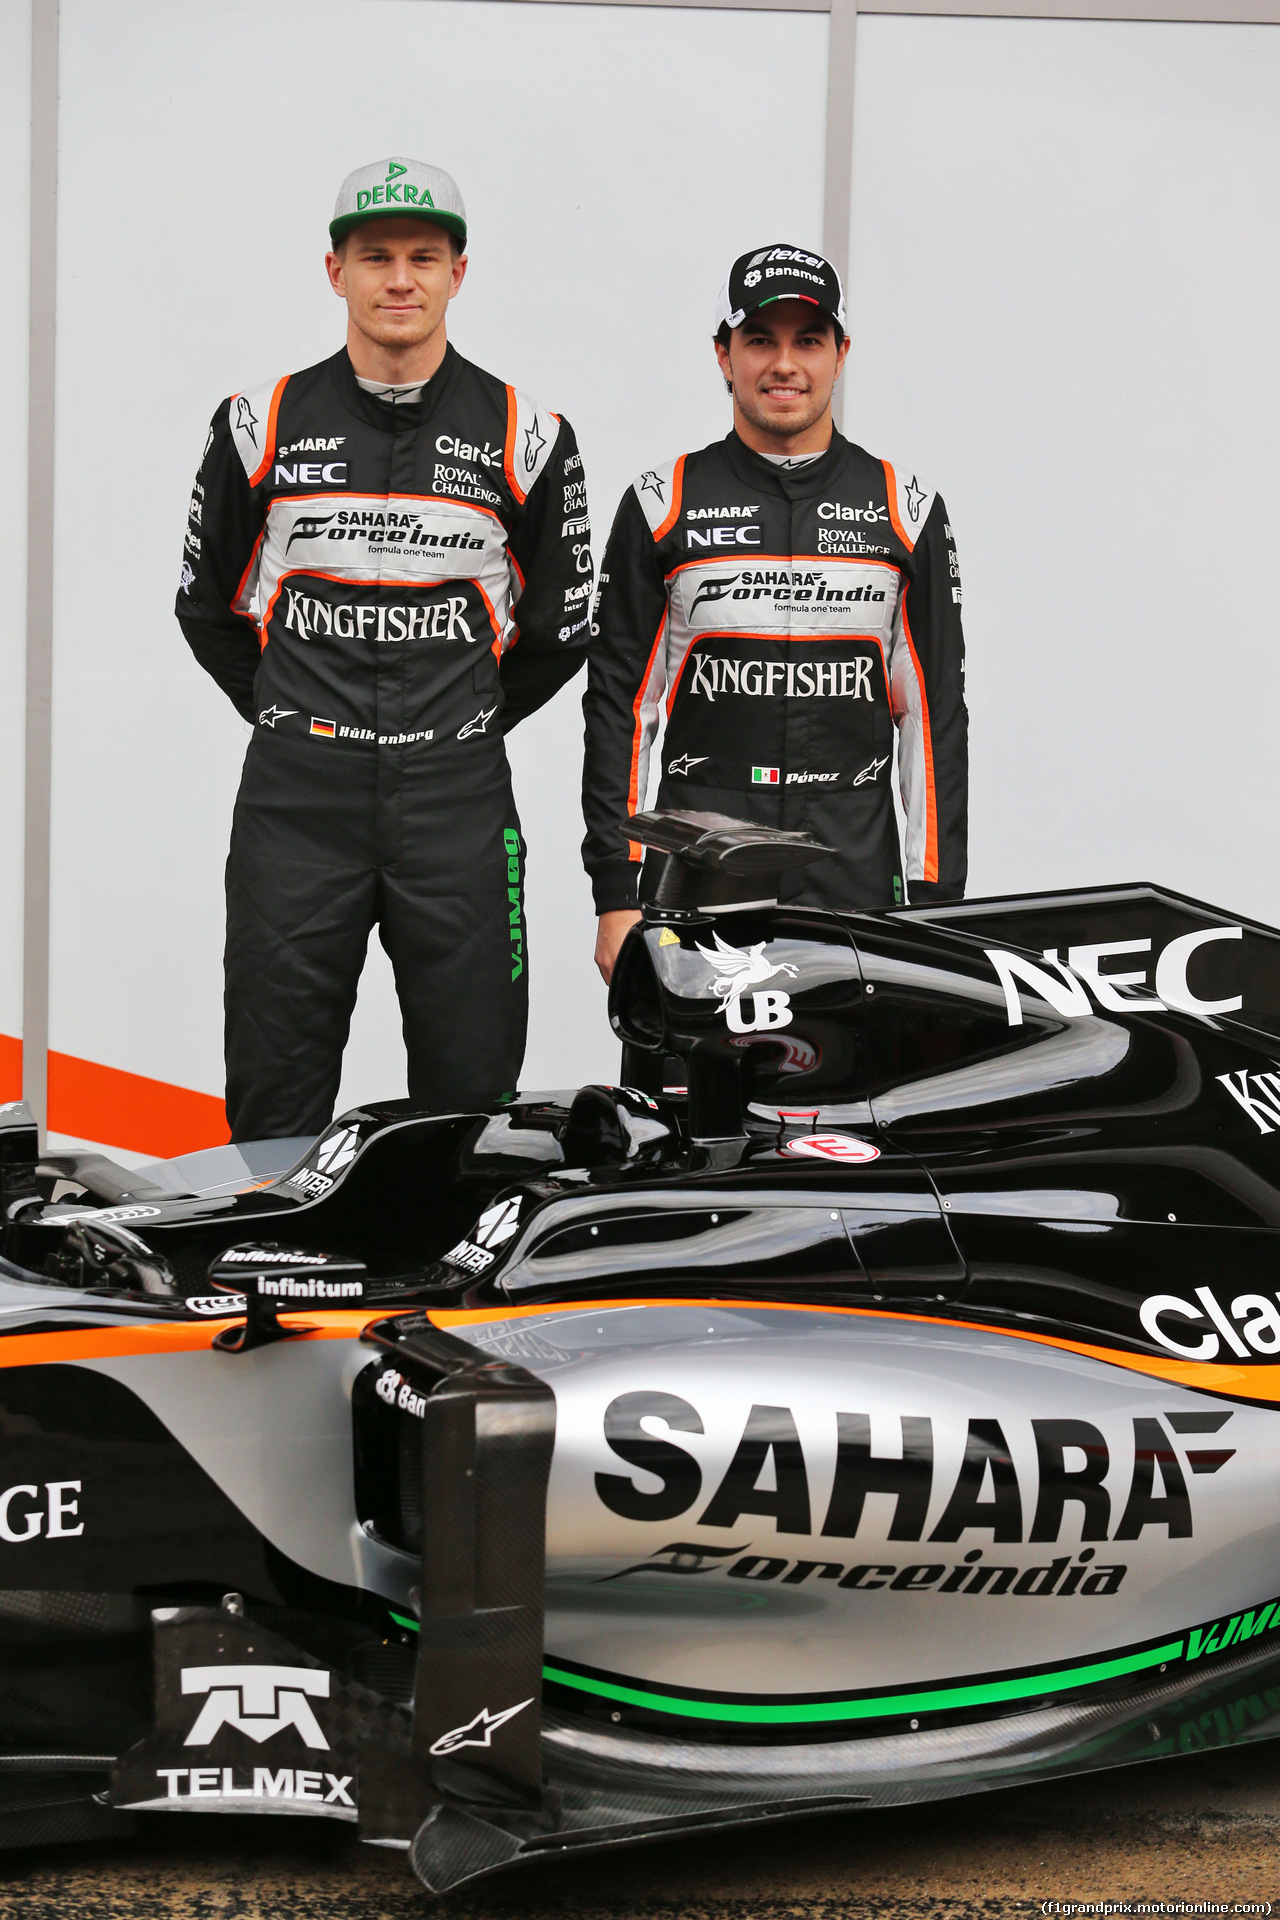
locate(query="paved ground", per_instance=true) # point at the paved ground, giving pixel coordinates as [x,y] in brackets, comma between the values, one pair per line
[1197,1830]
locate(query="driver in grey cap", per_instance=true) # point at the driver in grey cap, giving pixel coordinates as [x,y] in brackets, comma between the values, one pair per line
[387,565]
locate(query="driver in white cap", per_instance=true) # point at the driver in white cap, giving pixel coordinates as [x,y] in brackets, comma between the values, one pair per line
[387,565]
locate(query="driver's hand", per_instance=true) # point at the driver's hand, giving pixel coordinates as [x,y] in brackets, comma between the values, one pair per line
[613,930]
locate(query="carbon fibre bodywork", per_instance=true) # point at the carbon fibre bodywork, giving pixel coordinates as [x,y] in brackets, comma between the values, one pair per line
[877,1399]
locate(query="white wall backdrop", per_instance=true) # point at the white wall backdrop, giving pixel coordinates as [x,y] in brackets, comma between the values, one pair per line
[1066,300]
[1066,309]
[15,164]
[610,161]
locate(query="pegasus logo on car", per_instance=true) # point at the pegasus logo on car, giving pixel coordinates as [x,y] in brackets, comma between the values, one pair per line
[738,973]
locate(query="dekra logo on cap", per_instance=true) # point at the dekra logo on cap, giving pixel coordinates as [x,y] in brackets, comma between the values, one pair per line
[394,191]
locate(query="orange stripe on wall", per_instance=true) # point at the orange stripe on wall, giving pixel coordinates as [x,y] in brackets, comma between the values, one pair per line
[128,1110]
[10,1067]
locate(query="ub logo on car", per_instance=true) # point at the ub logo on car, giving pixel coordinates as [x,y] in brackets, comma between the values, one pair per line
[739,972]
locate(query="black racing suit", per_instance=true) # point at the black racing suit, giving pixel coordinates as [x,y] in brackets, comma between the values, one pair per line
[382,592]
[791,618]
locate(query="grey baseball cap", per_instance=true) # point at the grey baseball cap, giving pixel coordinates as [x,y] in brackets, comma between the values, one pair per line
[396,187]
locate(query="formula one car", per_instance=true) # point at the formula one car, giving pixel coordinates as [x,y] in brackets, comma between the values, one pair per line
[684,1453]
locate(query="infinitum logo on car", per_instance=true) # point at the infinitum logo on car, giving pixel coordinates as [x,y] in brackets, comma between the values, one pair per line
[308,1286]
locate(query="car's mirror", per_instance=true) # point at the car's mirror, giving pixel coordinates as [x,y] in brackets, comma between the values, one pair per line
[263,1280]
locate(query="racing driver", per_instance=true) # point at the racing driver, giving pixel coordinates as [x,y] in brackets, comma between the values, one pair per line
[794,599]
[387,566]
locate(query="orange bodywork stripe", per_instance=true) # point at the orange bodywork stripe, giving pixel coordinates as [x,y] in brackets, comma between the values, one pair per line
[1241,1383]
[930,793]
[269,446]
[96,1343]
[130,1110]
[168,1336]
[634,850]
[898,527]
